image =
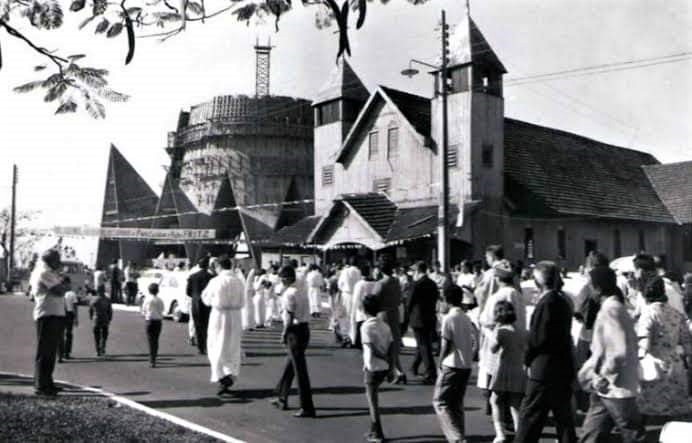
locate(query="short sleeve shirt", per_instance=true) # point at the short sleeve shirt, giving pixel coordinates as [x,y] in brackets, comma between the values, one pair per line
[377,335]
[71,300]
[297,302]
[459,331]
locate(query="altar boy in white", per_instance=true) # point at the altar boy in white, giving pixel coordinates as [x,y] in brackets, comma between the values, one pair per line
[225,294]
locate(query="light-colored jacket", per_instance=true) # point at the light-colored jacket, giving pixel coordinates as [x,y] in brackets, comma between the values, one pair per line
[614,349]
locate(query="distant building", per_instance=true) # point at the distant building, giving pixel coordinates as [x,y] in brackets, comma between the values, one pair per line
[543,193]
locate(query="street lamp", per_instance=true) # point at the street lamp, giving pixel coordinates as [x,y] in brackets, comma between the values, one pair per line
[443,205]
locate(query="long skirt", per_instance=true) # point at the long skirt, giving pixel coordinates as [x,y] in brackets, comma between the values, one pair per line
[223,343]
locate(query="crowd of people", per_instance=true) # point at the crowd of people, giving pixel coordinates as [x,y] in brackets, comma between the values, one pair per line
[616,345]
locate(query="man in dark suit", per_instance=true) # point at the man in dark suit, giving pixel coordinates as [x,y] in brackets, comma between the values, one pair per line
[550,361]
[388,291]
[422,319]
[196,283]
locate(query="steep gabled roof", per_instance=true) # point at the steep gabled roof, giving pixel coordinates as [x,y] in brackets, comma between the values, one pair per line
[297,234]
[468,45]
[673,184]
[376,209]
[414,110]
[553,172]
[342,83]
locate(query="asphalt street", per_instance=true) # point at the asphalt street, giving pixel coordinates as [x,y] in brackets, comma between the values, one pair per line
[180,385]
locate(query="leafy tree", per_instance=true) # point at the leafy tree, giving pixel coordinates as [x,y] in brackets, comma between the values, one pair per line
[26,237]
[72,84]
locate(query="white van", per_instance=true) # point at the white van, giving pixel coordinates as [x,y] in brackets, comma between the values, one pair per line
[172,286]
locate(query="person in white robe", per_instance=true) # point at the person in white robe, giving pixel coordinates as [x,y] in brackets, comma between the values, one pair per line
[225,294]
[262,287]
[273,306]
[314,282]
[248,311]
[348,278]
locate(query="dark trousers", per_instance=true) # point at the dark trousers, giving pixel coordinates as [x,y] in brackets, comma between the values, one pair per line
[448,401]
[116,293]
[200,316]
[131,292]
[424,352]
[540,399]
[606,413]
[100,337]
[153,328]
[48,331]
[65,344]
[297,339]
[373,380]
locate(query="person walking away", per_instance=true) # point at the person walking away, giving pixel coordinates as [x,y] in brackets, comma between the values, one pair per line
[487,359]
[100,278]
[101,314]
[610,374]
[378,355]
[348,278]
[422,319]
[315,282]
[225,295]
[196,283]
[262,287]
[115,277]
[364,287]
[131,289]
[296,337]
[459,343]
[152,310]
[248,311]
[47,290]
[71,321]
[273,305]
[388,290]
[661,329]
[549,358]
[508,380]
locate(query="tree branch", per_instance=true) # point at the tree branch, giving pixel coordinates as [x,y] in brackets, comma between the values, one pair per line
[43,51]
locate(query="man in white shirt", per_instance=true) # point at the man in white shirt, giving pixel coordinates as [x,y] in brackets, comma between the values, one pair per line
[48,292]
[131,276]
[225,294]
[459,343]
[71,321]
[314,282]
[296,337]
[152,310]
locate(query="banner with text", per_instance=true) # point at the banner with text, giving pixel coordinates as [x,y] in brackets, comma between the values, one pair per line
[136,233]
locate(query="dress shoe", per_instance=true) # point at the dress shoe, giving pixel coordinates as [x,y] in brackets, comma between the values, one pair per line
[279,404]
[305,414]
[400,380]
[56,389]
[45,392]
[224,391]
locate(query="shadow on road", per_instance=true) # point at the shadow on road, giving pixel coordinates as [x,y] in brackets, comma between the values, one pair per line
[401,410]
[204,402]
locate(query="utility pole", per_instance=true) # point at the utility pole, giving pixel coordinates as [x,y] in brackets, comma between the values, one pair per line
[443,206]
[13,223]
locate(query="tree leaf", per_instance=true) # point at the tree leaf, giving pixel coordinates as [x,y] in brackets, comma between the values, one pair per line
[114,30]
[111,95]
[28,87]
[77,5]
[74,57]
[99,7]
[130,40]
[68,106]
[51,15]
[195,8]
[101,27]
[55,92]
[86,21]
[95,108]
[39,68]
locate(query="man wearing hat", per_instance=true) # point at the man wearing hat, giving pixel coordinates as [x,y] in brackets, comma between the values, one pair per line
[196,283]
[48,290]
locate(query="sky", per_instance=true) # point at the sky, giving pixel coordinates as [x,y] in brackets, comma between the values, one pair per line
[62,159]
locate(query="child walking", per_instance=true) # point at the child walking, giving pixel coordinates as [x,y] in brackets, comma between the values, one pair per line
[378,354]
[101,313]
[71,321]
[508,382]
[152,310]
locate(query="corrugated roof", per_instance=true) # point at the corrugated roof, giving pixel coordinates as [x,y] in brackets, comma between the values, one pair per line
[295,234]
[560,173]
[376,209]
[673,184]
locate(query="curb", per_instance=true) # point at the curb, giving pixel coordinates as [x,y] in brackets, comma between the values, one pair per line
[146,409]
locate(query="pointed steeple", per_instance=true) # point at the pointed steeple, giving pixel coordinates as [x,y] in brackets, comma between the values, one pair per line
[467,44]
[342,82]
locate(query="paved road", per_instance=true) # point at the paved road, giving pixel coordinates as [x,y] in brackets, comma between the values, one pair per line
[180,386]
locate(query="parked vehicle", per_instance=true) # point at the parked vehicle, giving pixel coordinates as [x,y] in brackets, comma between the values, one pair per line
[172,285]
[79,276]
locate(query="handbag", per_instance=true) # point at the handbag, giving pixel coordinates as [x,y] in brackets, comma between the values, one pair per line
[650,368]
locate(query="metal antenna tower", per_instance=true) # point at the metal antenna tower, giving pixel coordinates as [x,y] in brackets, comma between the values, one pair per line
[262,68]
